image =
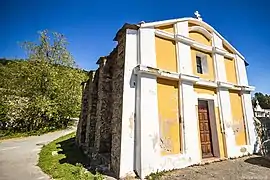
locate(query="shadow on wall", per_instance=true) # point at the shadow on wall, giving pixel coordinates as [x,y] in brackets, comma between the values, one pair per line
[259,161]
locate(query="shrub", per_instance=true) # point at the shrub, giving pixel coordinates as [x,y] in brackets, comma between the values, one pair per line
[43,92]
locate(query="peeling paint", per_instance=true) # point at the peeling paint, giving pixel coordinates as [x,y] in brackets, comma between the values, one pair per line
[237,116]
[131,124]
[237,126]
[166,144]
[169,126]
[155,141]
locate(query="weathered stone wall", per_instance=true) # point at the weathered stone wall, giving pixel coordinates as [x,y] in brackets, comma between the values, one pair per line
[83,128]
[80,135]
[99,128]
[89,130]
[93,111]
[117,95]
[103,125]
[94,132]
[106,110]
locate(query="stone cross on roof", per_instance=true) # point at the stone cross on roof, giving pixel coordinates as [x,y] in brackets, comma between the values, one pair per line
[198,16]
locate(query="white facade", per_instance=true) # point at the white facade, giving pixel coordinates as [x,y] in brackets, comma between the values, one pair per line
[140,147]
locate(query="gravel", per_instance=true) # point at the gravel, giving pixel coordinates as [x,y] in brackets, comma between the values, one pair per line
[251,167]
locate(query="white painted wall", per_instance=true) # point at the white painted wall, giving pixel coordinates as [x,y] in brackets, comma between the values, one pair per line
[224,101]
[183,50]
[217,41]
[128,120]
[192,148]
[147,47]
[242,71]
[188,97]
[150,148]
[221,71]
[148,107]
[182,28]
[219,60]
[249,119]
[140,49]
[247,106]
[226,113]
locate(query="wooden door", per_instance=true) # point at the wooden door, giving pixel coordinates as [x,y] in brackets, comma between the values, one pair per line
[205,129]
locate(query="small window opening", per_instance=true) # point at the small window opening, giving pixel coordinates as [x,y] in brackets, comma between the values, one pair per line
[199,64]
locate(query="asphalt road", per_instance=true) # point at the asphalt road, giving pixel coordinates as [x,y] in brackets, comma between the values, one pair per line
[18,157]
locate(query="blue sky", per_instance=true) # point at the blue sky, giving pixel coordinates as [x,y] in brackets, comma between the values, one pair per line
[91,25]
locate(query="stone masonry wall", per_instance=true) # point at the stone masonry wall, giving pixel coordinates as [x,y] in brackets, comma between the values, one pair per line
[80,134]
[117,95]
[100,125]
[93,111]
[103,126]
[90,105]
[86,97]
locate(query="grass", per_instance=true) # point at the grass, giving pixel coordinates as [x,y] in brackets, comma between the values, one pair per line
[157,175]
[68,164]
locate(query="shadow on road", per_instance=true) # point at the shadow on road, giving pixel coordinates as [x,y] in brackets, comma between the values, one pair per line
[259,161]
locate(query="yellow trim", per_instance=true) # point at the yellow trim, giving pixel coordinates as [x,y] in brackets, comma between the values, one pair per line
[204,90]
[227,49]
[192,21]
[230,70]
[166,54]
[167,28]
[208,76]
[191,24]
[196,36]
[238,117]
[168,108]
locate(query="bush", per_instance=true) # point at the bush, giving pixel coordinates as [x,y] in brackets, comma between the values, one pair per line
[3,112]
[43,92]
[48,110]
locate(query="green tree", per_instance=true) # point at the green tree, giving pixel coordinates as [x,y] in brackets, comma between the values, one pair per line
[42,92]
[264,100]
